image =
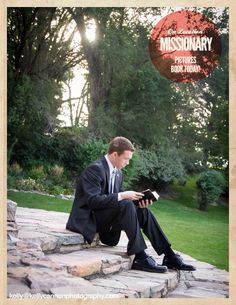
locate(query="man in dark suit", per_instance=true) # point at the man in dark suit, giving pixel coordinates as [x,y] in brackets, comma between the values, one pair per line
[101,205]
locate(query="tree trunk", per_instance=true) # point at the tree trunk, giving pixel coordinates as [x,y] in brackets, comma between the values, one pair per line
[203,204]
[98,91]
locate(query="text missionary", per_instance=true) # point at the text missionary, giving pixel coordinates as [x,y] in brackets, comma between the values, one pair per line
[185,43]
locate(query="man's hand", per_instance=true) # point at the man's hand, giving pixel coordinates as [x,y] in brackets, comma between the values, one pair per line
[145,203]
[131,195]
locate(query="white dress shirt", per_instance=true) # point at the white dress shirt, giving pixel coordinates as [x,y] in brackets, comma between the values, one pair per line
[111,169]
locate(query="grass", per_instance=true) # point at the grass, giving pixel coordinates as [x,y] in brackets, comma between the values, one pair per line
[202,235]
[36,201]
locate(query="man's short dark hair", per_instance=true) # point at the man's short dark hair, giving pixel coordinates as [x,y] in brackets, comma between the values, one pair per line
[119,145]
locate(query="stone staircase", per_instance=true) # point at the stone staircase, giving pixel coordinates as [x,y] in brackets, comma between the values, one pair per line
[47,261]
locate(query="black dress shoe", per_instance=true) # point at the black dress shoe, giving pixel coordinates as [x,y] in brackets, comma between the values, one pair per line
[176,262]
[148,264]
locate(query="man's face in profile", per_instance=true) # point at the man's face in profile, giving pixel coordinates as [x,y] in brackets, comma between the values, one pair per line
[120,161]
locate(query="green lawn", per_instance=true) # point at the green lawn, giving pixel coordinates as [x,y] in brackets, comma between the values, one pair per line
[202,235]
[36,201]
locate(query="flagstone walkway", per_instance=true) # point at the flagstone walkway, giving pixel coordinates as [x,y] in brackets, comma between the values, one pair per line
[46,260]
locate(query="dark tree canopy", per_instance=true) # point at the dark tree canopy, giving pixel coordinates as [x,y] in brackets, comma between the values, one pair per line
[184,126]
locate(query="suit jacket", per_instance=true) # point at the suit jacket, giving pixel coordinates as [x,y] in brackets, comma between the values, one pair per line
[92,194]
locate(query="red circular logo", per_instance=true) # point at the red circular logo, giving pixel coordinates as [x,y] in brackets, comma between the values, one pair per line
[185,46]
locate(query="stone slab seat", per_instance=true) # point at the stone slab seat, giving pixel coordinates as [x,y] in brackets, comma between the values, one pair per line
[47,228]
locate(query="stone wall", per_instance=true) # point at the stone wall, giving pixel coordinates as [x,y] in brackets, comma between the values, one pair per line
[12,229]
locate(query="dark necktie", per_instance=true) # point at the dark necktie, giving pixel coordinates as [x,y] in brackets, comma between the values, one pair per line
[112,181]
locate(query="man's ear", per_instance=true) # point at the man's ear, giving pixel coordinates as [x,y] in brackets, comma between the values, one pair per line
[115,154]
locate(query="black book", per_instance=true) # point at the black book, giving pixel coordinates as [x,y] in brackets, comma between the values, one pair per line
[148,194]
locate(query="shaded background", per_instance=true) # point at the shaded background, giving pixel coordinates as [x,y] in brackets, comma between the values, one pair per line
[178,129]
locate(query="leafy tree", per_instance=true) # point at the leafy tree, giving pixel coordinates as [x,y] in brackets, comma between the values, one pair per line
[39,54]
[202,108]
[180,127]
[32,111]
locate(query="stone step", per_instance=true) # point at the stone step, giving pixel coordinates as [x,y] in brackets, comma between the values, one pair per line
[127,284]
[102,271]
[139,284]
[200,290]
[48,283]
[93,262]
[47,259]
[47,228]
[206,282]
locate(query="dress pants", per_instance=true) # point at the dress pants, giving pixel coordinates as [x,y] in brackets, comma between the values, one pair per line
[131,219]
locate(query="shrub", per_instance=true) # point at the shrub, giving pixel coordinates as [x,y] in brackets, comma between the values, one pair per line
[37,172]
[74,151]
[55,189]
[159,167]
[29,185]
[56,170]
[40,176]
[15,170]
[210,184]
[90,150]
[11,182]
[55,174]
